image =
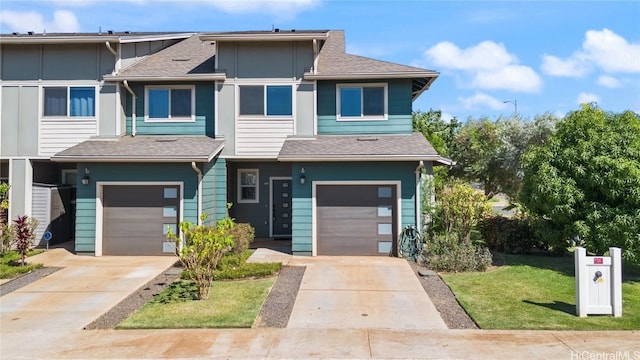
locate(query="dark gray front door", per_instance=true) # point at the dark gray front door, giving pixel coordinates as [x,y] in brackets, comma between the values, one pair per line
[281,209]
[136,217]
[356,219]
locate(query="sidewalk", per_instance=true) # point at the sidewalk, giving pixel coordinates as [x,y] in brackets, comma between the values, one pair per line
[318,343]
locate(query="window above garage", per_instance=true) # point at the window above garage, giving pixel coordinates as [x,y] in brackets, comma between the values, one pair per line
[69,101]
[169,104]
[361,102]
[266,100]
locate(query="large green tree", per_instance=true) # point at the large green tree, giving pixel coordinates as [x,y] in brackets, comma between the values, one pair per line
[585,180]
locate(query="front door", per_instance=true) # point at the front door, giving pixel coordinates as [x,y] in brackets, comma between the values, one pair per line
[281,208]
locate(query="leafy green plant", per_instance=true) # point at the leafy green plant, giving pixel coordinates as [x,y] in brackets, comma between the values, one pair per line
[178,291]
[511,235]
[460,208]
[446,253]
[6,238]
[234,266]
[201,250]
[11,266]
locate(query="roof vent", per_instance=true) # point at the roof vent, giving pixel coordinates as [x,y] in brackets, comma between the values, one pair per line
[30,32]
[15,33]
[166,140]
[276,30]
[181,59]
[127,32]
[367,139]
[110,32]
[293,30]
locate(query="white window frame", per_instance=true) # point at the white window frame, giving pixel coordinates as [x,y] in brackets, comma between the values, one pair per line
[191,118]
[240,186]
[68,115]
[362,117]
[264,94]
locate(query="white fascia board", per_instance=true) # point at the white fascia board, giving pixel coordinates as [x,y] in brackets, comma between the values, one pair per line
[139,38]
[273,36]
[114,159]
[152,78]
[55,39]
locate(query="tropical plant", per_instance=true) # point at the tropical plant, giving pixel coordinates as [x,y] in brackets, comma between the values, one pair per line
[202,249]
[24,232]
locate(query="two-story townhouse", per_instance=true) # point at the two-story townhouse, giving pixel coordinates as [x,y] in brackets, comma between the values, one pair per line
[53,96]
[306,141]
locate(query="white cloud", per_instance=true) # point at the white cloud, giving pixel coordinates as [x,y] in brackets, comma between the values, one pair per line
[63,21]
[280,8]
[609,81]
[488,65]
[560,113]
[571,67]
[602,49]
[482,100]
[446,117]
[586,98]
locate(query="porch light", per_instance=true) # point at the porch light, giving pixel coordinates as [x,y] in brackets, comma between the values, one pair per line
[85,180]
[303,178]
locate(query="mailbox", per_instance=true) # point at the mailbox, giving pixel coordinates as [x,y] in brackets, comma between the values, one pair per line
[598,283]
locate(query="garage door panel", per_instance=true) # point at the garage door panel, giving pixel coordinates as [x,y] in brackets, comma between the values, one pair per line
[355,219]
[134,217]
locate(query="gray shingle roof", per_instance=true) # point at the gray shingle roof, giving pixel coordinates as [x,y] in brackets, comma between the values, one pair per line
[144,148]
[360,148]
[188,58]
[335,63]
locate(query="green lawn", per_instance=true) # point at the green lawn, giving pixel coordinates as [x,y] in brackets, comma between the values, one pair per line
[231,304]
[537,292]
[10,265]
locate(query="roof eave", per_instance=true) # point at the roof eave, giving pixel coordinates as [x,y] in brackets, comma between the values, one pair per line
[137,38]
[128,159]
[274,36]
[156,78]
[361,158]
[60,39]
[356,76]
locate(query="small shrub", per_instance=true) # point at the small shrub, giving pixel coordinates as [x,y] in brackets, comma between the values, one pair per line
[24,233]
[234,266]
[243,235]
[446,253]
[178,291]
[510,235]
[6,238]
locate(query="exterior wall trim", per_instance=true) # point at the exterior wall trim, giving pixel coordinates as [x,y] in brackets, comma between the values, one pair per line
[314,207]
[271,179]
[100,210]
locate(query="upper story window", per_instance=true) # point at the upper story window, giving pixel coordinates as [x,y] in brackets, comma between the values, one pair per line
[175,103]
[266,100]
[70,101]
[361,101]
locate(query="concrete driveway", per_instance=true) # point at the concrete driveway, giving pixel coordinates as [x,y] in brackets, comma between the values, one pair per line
[69,299]
[361,293]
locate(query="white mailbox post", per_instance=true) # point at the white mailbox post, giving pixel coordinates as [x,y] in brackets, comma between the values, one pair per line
[598,283]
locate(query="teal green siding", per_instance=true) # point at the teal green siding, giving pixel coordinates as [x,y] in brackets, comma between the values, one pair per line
[214,190]
[86,194]
[204,113]
[399,111]
[348,171]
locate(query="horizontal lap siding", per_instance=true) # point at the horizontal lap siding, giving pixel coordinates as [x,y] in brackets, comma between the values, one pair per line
[86,194]
[57,135]
[348,171]
[399,111]
[204,114]
[261,137]
[214,190]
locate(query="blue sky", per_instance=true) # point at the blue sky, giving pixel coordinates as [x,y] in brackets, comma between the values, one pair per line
[548,56]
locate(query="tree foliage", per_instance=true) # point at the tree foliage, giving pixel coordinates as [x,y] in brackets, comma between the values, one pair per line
[490,152]
[585,180]
[440,133]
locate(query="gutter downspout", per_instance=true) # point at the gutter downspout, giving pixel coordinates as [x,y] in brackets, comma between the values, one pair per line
[195,168]
[419,195]
[115,53]
[133,107]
